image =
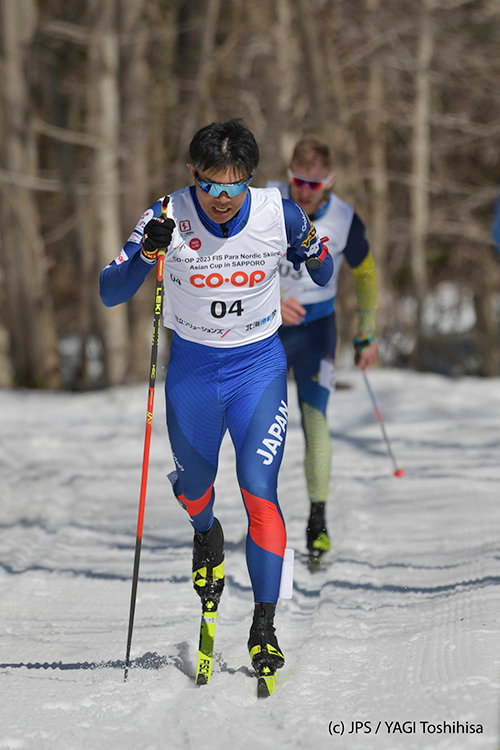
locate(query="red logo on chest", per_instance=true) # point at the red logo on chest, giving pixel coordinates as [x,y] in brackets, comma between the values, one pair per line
[184,226]
[195,244]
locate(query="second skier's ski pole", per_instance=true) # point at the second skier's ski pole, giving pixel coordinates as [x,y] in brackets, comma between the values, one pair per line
[397,472]
[147,439]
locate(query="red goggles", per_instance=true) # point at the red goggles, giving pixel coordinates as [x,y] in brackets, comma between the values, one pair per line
[301,182]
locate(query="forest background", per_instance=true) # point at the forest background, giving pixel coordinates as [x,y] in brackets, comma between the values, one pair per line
[100,98]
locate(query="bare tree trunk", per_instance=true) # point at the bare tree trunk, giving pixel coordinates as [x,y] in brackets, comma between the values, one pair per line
[88,315]
[313,62]
[6,372]
[202,17]
[285,80]
[379,217]
[104,109]
[6,369]
[61,121]
[28,305]
[337,134]
[134,168]
[421,165]
[348,179]
[487,326]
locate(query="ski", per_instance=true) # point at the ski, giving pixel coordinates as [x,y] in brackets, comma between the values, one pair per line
[266,680]
[318,541]
[264,649]
[315,563]
[316,558]
[206,645]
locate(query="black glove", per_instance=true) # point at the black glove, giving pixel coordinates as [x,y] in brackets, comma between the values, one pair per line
[157,235]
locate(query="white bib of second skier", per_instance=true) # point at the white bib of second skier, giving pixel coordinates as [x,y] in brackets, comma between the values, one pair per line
[333,230]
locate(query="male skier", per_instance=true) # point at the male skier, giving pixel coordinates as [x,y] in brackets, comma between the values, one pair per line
[227,366]
[308,330]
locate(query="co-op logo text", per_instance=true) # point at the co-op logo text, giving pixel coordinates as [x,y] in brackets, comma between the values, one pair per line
[238,278]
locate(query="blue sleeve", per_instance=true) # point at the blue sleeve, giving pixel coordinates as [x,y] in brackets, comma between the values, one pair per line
[303,242]
[296,222]
[120,280]
[322,275]
[357,247]
[496,226]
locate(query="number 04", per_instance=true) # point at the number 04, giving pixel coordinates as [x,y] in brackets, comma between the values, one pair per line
[219,309]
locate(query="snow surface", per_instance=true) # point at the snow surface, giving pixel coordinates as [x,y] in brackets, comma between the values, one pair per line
[401,625]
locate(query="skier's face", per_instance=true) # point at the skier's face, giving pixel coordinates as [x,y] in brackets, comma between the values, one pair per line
[220,208]
[308,185]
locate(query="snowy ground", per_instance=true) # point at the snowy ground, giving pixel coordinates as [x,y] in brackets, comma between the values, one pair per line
[402,625]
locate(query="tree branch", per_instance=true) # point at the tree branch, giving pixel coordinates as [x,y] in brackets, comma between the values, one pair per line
[66,136]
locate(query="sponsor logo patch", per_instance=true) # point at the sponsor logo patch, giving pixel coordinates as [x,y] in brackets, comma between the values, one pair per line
[262,321]
[146,216]
[184,226]
[121,258]
[135,237]
[195,244]
[309,238]
[204,329]
[238,278]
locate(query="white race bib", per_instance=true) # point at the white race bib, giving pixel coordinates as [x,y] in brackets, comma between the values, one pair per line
[225,292]
[333,230]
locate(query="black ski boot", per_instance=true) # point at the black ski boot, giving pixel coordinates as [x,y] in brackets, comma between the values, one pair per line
[208,563]
[318,541]
[263,646]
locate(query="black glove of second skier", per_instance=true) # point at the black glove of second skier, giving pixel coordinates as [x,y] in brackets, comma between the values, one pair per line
[157,235]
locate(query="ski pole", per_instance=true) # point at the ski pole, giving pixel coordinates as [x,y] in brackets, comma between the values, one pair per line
[397,472]
[147,438]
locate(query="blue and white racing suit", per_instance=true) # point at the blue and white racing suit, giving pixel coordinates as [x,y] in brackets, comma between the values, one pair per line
[227,367]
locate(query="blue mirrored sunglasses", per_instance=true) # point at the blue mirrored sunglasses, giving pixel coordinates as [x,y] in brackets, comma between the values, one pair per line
[216,188]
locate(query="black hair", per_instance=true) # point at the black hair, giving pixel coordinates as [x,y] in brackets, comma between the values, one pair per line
[222,145]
